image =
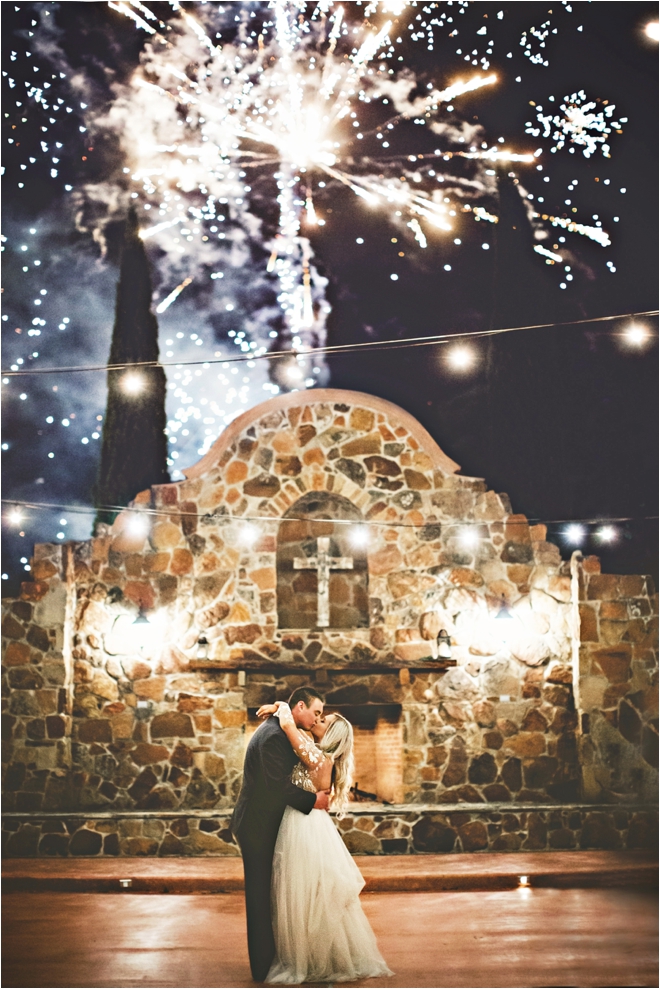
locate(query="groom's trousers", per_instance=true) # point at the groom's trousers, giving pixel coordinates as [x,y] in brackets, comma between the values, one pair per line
[258,867]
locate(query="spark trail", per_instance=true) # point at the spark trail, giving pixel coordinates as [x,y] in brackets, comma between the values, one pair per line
[278,95]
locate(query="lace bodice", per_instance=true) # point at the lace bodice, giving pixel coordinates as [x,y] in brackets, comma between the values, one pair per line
[300,777]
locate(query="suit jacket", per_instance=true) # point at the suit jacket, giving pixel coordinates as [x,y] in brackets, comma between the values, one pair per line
[266,788]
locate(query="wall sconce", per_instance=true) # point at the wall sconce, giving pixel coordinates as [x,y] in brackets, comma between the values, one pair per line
[444,644]
[143,710]
[202,648]
[504,622]
[504,614]
[142,630]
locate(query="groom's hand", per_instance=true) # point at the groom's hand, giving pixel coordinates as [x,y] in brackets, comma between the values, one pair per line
[322,799]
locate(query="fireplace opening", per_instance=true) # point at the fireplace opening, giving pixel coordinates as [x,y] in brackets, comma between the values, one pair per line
[378,749]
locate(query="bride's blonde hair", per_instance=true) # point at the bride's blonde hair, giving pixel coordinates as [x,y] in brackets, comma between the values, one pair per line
[338,743]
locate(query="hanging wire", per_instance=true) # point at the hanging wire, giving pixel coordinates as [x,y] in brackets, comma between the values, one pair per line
[168,513]
[348,348]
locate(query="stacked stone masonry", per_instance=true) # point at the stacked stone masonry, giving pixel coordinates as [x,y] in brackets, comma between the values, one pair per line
[382,831]
[562,710]
[616,672]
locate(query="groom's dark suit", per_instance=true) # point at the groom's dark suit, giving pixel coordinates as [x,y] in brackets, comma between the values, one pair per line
[265,793]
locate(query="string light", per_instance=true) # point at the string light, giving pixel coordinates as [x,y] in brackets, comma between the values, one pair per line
[652,31]
[132,384]
[249,534]
[424,341]
[461,358]
[636,335]
[359,536]
[138,524]
[469,538]
[574,534]
[247,520]
[607,534]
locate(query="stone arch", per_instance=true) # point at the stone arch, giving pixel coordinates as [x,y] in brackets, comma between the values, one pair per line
[245,427]
[297,590]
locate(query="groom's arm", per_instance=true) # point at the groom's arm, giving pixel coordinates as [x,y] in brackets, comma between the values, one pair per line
[276,761]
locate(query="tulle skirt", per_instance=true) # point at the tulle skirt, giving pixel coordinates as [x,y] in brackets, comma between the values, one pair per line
[321,932]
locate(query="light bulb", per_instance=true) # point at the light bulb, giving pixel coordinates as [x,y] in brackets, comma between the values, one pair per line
[607,534]
[359,536]
[636,335]
[461,358]
[574,534]
[132,383]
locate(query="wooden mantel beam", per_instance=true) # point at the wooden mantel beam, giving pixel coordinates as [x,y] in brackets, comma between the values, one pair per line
[431,666]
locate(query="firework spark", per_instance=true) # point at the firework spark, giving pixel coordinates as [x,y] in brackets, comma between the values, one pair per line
[578,123]
[596,234]
[280,101]
[174,294]
[550,255]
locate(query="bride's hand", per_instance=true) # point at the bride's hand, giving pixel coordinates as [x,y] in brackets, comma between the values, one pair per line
[266,710]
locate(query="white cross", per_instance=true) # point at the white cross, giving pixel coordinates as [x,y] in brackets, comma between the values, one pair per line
[323,564]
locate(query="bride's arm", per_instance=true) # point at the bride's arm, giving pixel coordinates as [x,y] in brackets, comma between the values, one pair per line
[318,764]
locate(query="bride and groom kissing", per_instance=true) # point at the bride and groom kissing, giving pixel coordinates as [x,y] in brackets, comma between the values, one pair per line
[304,919]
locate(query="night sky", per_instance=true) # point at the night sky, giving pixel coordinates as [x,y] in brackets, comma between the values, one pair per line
[562,418]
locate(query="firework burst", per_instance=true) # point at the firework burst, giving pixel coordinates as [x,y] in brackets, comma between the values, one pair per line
[580,123]
[279,93]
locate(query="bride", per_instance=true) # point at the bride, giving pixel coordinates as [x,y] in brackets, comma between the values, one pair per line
[321,932]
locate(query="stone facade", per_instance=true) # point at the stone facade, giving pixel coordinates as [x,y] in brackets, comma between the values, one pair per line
[616,667]
[560,709]
[410,829]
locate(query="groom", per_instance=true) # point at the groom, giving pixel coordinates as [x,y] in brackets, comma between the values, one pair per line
[266,791]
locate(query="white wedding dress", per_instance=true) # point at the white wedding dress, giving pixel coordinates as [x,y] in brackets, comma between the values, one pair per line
[321,932]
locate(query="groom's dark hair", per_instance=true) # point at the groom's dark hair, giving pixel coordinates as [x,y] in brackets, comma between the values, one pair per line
[304,694]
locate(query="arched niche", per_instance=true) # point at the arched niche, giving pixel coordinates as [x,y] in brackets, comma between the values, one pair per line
[298,589]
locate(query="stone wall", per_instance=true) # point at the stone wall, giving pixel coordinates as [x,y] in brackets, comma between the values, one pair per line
[297,590]
[381,831]
[617,676]
[36,700]
[559,709]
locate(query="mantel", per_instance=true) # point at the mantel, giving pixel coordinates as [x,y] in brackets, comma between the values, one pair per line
[432,666]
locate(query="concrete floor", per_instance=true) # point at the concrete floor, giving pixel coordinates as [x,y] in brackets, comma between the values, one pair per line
[382,873]
[512,938]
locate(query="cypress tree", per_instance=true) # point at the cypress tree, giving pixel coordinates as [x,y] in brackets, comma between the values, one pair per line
[520,291]
[134,445]
[525,372]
